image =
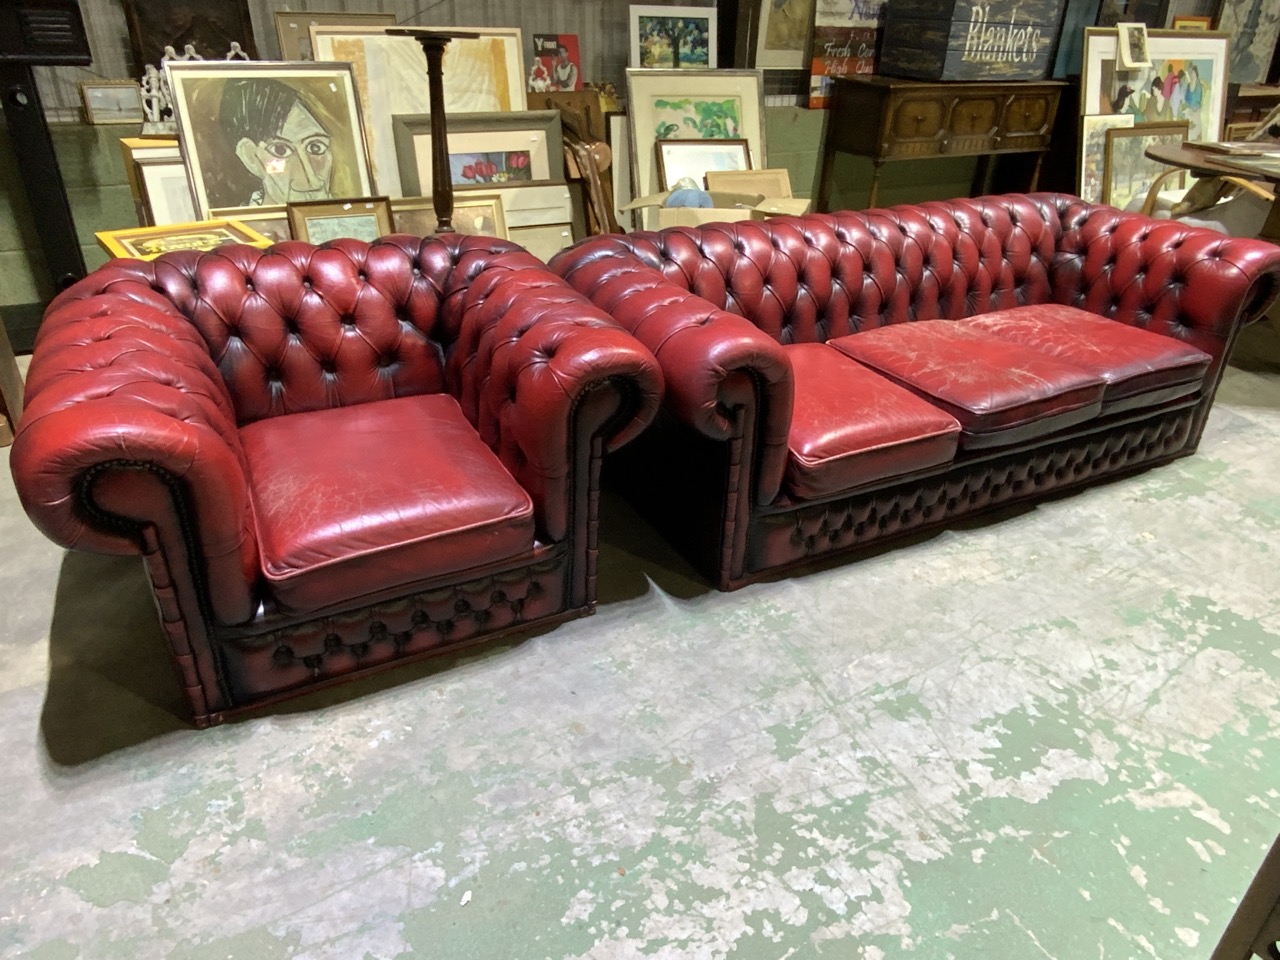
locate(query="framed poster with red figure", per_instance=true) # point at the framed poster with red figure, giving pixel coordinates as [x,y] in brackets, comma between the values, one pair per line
[556,63]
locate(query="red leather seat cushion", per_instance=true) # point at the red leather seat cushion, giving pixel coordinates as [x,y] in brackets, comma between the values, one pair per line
[850,426]
[351,500]
[1140,368]
[1000,392]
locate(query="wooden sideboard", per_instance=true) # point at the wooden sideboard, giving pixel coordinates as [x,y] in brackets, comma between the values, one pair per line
[885,118]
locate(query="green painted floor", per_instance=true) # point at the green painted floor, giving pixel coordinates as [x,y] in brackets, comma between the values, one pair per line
[1055,735]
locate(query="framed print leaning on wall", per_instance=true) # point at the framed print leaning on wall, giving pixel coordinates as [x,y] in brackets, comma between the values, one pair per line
[1093,152]
[1254,28]
[485,149]
[696,158]
[293,28]
[673,38]
[1187,80]
[111,101]
[678,105]
[319,221]
[484,74]
[1127,173]
[165,191]
[147,243]
[264,134]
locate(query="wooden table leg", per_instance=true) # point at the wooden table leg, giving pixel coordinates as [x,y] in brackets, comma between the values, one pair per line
[823,204]
[876,166]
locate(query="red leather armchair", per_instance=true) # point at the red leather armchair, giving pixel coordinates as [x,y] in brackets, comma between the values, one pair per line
[1051,343]
[331,458]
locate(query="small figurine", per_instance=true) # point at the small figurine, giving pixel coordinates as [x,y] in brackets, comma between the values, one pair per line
[236,52]
[189,52]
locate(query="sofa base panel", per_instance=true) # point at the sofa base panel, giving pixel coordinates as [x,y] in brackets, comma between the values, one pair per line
[810,532]
[297,658]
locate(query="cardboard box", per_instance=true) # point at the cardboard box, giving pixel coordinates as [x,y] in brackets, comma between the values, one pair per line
[729,207]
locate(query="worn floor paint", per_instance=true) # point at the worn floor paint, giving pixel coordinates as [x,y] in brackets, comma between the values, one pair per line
[1051,736]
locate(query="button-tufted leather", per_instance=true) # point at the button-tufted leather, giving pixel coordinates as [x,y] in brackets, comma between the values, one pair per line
[159,403]
[824,277]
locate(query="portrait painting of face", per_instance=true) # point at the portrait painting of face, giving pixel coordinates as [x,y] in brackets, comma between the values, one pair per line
[267,136]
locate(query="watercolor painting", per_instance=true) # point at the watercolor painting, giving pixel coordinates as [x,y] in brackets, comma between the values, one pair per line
[692,118]
[500,167]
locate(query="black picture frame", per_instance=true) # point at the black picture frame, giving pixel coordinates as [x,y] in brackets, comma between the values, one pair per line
[210,26]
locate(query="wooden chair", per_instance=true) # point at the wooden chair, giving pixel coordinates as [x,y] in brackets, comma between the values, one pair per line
[1254,930]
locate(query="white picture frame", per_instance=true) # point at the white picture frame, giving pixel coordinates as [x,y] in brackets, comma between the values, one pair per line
[481,75]
[704,105]
[1107,88]
[166,191]
[673,38]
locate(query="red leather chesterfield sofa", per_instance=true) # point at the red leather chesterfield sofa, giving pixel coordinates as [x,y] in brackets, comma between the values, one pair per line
[331,458]
[834,380]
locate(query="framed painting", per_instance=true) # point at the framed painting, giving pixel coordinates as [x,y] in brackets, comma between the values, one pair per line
[846,35]
[481,75]
[165,191]
[557,64]
[293,28]
[319,221]
[775,33]
[1190,22]
[677,105]
[1254,28]
[1093,151]
[209,27]
[485,149]
[147,243]
[133,149]
[111,101]
[268,134]
[271,222]
[1127,173]
[673,38]
[694,159]
[476,215]
[1187,80]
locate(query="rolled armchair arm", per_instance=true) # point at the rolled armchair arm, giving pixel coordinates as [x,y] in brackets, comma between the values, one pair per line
[543,375]
[706,353]
[128,425]
[1187,282]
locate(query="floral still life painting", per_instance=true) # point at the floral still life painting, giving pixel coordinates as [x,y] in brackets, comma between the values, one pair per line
[502,167]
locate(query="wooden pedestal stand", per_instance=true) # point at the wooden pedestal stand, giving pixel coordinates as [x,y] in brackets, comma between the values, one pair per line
[10,389]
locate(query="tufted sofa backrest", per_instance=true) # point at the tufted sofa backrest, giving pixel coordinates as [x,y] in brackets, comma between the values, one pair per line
[826,275]
[299,327]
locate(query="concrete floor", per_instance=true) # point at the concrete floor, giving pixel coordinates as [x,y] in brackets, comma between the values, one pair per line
[1055,735]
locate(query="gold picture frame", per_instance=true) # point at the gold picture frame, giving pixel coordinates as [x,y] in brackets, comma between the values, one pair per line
[359,218]
[111,101]
[474,214]
[1189,22]
[147,243]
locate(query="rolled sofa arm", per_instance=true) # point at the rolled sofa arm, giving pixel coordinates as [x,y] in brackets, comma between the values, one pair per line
[127,424]
[542,372]
[706,353]
[1184,281]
